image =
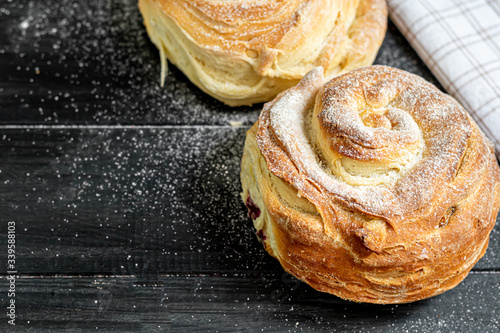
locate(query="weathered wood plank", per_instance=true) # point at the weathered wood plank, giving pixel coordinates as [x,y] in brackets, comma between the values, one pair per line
[245,303]
[133,201]
[126,201]
[74,62]
[156,210]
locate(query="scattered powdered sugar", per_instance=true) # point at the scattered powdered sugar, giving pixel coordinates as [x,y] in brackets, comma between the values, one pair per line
[418,113]
[92,62]
[166,195]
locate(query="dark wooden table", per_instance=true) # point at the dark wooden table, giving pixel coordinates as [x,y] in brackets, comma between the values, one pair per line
[125,201]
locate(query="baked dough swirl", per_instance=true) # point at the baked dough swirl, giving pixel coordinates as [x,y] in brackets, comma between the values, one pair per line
[375,187]
[247,51]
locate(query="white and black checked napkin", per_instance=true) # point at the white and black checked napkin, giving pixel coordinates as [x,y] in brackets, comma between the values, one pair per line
[459,40]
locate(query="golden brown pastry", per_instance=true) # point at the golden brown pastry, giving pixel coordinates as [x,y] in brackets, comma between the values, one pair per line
[375,187]
[247,51]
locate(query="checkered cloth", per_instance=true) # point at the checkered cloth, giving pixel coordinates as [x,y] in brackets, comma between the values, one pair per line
[459,40]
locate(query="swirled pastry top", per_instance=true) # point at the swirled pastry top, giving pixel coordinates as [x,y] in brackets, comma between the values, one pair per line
[377,187]
[246,51]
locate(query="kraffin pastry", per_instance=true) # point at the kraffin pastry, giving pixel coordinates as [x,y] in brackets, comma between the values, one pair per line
[247,51]
[375,187]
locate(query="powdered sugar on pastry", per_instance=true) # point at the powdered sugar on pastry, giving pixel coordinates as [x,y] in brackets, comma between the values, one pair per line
[389,168]
[247,51]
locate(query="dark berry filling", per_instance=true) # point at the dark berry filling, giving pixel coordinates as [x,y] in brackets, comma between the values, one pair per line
[253,210]
[260,234]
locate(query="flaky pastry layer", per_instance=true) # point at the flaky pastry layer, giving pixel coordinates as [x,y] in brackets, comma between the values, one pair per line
[247,51]
[375,187]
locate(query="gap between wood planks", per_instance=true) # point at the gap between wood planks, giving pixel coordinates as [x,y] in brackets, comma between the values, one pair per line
[494,271]
[63,126]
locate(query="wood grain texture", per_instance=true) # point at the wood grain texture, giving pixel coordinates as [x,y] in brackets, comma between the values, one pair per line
[126,199]
[139,201]
[240,303]
[91,62]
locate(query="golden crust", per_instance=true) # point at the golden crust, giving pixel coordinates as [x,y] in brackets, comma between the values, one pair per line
[375,187]
[247,51]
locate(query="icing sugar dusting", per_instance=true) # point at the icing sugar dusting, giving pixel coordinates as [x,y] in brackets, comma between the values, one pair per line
[426,136]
